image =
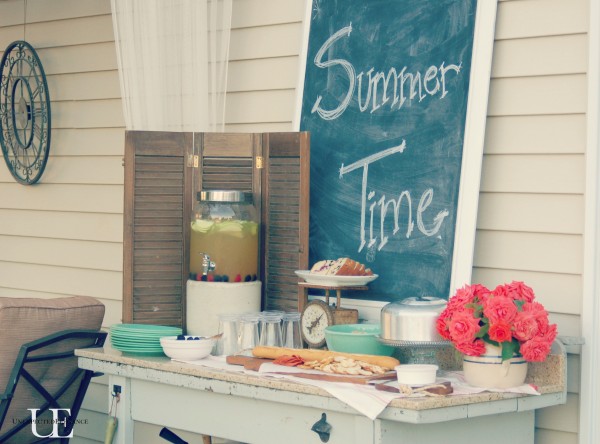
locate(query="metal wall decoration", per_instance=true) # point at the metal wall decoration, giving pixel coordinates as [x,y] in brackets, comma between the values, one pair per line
[24,113]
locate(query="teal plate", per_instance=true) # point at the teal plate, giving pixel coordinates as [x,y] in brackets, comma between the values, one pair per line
[155,343]
[146,328]
[136,346]
[136,340]
[143,353]
[133,334]
[138,335]
[137,350]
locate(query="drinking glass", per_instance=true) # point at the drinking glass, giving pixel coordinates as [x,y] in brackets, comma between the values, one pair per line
[227,344]
[268,313]
[270,331]
[291,336]
[248,333]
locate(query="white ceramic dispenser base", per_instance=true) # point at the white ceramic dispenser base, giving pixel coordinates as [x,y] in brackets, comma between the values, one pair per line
[207,300]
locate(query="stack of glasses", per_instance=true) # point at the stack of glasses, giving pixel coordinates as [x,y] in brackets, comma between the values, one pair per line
[242,332]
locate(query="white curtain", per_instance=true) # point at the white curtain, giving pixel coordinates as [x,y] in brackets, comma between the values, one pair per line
[172,57]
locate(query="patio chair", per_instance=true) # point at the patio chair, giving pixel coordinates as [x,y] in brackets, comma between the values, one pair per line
[38,369]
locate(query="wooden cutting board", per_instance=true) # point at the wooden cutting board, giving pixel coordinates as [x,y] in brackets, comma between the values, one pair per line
[251,363]
[444,388]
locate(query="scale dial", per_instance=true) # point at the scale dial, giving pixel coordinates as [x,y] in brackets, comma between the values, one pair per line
[316,316]
[24,113]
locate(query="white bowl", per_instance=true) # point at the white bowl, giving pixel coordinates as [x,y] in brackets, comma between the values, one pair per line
[187,349]
[416,374]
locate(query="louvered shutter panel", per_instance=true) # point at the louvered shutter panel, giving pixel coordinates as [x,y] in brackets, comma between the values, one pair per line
[161,179]
[227,162]
[157,207]
[285,213]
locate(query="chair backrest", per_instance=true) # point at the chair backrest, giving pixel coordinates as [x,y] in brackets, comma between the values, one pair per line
[29,329]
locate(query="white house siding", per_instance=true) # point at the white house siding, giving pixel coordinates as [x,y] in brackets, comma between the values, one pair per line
[65,236]
[266,40]
[531,207]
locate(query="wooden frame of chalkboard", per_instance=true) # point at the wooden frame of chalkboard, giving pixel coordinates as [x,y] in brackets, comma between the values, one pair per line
[394,93]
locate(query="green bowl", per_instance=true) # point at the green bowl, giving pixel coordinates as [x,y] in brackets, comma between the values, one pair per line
[356,338]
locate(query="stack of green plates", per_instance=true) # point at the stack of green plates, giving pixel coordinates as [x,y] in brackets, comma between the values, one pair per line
[140,339]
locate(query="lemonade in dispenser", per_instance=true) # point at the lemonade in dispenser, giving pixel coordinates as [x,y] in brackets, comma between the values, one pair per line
[224,237]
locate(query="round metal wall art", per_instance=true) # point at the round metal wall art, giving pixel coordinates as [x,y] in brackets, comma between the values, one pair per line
[24,113]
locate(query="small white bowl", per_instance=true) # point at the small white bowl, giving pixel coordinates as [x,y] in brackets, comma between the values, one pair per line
[187,349]
[416,374]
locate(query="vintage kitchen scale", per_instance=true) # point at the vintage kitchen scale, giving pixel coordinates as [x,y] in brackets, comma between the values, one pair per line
[317,315]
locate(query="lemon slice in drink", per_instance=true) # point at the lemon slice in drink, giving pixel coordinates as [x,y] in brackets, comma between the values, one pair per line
[251,228]
[202,226]
[230,227]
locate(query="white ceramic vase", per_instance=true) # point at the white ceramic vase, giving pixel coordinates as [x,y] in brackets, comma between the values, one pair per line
[489,371]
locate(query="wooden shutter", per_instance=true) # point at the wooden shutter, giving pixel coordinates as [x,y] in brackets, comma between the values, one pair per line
[285,213]
[157,199]
[228,162]
[163,171]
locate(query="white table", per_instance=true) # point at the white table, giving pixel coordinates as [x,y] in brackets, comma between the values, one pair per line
[257,409]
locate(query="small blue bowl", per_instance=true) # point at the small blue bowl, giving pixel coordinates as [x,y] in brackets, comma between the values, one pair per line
[356,338]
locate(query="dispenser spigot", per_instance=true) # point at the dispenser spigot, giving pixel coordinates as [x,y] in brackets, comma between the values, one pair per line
[207,264]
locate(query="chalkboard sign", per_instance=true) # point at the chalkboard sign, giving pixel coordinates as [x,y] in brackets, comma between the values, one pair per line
[386,98]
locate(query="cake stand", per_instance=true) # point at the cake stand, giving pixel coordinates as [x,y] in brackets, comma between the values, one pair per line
[418,352]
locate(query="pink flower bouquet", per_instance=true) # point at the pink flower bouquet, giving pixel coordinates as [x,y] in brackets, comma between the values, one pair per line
[507,317]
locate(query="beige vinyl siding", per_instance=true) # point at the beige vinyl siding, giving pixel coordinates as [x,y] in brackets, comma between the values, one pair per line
[531,208]
[266,40]
[64,236]
[77,208]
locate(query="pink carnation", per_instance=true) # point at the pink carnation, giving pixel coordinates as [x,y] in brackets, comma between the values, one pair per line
[538,312]
[463,326]
[536,350]
[462,297]
[469,294]
[441,325]
[520,291]
[500,332]
[480,291]
[499,308]
[525,326]
[476,348]
[500,290]
[548,332]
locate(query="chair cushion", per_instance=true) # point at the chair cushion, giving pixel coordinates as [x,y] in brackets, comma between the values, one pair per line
[23,320]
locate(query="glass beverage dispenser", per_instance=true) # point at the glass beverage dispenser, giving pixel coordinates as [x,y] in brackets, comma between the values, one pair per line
[224,237]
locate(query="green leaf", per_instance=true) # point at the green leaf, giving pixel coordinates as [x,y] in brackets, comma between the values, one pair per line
[477,309]
[482,331]
[509,349]
[489,341]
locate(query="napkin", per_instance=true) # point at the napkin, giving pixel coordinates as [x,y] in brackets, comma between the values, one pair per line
[364,398]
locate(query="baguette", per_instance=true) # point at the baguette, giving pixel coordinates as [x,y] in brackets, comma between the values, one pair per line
[308,354]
